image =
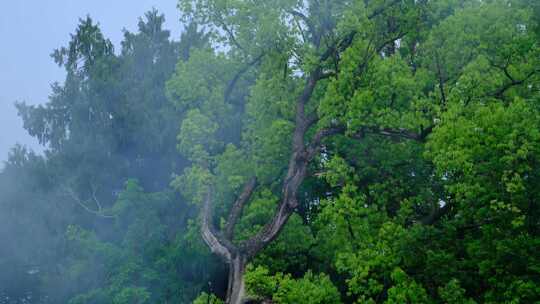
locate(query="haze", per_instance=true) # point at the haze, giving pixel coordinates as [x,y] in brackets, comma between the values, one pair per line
[31,30]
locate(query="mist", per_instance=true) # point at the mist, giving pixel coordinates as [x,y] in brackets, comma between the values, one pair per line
[287,152]
[33,29]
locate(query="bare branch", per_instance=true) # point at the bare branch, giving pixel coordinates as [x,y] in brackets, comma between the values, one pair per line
[360,134]
[341,45]
[70,193]
[94,197]
[295,176]
[217,245]
[400,133]
[231,35]
[242,71]
[499,93]
[304,40]
[440,79]
[312,119]
[315,144]
[310,25]
[238,206]
[269,232]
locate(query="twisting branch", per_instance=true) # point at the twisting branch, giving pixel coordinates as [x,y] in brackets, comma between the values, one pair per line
[341,45]
[301,30]
[388,132]
[499,93]
[236,78]
[98,212]
[295,176]
[312,119]
[232,38]
[218,245]
[316,141]
[238,206]
[319,136]
[440,79]
[222,245]
[94,197]
[400,133]
[503,68]
[349,38]
[309,24]
[507,74]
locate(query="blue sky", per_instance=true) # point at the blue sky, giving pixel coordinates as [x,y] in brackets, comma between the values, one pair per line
[31,29]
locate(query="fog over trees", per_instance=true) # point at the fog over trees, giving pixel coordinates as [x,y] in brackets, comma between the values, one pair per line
[285,151]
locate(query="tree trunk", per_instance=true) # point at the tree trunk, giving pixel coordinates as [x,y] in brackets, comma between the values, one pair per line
[237,256]
[236,288]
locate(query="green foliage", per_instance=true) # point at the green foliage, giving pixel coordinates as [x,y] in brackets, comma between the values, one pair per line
[283,289]
[146,265]
[424,189]
[205,298]
[395,215]
[405,289]
[95,218]
[452,293]
[196,134]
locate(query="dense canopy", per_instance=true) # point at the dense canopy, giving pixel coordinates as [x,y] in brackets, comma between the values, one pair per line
[285,151]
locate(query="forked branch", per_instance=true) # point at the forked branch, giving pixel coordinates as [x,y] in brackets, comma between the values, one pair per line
[69,192]
[239,74]
[238,206]
[217,244]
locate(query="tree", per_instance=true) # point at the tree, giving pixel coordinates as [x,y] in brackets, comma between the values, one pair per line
[108,123]
[318,51]
[381,151]
[319,76]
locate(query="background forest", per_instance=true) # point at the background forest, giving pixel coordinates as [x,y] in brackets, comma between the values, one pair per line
[285,151]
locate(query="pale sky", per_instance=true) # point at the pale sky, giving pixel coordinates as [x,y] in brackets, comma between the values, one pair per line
[31,29]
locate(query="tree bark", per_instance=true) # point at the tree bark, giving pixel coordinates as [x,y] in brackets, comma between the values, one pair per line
[236,289]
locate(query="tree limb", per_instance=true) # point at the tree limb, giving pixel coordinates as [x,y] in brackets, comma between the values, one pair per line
[360,134]
[499,93]
[232,38]
[99,212]
[319,136]
[312,119]
[308,22]
[238,75]
[218,245]
[400,133]
[440,80]
[238,206]
[295,176]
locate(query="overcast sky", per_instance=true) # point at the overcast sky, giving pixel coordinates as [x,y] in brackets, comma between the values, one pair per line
[31,29]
